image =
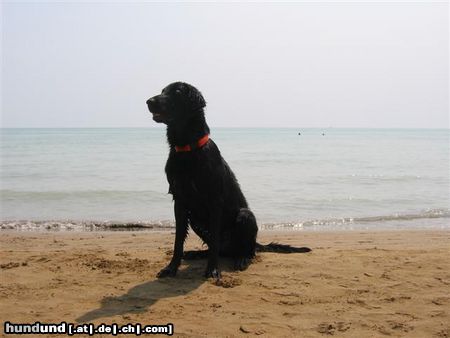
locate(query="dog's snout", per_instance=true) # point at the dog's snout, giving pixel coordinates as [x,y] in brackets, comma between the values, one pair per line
[152,103]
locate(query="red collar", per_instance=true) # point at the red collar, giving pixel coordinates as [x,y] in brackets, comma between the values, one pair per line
[189,147]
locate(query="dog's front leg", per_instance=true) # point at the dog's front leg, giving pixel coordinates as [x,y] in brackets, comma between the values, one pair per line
[181,221]
[212,269]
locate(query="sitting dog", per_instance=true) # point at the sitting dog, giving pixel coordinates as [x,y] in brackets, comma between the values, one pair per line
[207,196]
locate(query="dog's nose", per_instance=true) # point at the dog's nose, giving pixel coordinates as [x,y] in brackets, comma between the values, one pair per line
[150,101]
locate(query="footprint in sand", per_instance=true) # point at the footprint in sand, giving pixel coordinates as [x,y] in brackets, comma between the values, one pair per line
[9,265]
[228,282]
[331,328]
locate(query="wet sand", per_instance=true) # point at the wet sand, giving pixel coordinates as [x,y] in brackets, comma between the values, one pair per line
[353,284]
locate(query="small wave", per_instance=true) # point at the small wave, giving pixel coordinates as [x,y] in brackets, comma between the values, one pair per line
[68,225]
[57,194]
[335,223]
[345,221]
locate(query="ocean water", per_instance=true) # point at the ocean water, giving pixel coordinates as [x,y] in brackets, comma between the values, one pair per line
[321,179]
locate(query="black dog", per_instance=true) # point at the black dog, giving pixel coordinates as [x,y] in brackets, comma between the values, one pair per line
[206,193]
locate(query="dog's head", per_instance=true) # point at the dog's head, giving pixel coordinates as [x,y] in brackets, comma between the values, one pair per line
[177,102]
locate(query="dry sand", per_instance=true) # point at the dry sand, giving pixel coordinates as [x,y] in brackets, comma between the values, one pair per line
[353,284]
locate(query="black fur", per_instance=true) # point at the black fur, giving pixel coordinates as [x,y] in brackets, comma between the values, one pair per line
[206,194]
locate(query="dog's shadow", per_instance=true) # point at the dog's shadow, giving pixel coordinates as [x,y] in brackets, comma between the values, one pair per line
[141,297]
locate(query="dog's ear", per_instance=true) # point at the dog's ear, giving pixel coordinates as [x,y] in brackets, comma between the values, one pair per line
[196,100]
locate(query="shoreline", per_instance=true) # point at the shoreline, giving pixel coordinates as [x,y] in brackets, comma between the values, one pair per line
[281,230]
[429,221]
[353,284]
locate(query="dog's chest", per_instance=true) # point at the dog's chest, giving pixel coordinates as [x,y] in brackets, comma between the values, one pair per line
[188,177]
[187,189]
[189,186]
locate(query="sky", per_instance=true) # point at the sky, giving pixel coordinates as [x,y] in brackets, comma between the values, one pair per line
[309,64]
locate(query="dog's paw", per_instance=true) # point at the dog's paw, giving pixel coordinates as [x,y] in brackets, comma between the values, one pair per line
[213,273]
[242,263]
[168,271]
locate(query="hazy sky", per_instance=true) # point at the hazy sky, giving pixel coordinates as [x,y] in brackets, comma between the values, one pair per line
[310,64]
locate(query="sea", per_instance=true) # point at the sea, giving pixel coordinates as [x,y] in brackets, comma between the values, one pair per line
[293,178]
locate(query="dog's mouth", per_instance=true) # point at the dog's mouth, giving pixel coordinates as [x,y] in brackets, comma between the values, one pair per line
[158,111]
[158,117]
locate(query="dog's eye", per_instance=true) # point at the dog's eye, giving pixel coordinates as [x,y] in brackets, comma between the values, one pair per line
[178,91]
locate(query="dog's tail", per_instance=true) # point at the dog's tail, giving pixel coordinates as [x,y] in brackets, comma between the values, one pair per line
[280,248]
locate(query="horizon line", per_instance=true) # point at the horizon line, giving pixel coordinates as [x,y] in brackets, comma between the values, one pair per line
[235,127]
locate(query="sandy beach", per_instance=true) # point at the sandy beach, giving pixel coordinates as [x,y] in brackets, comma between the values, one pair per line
[353,284]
